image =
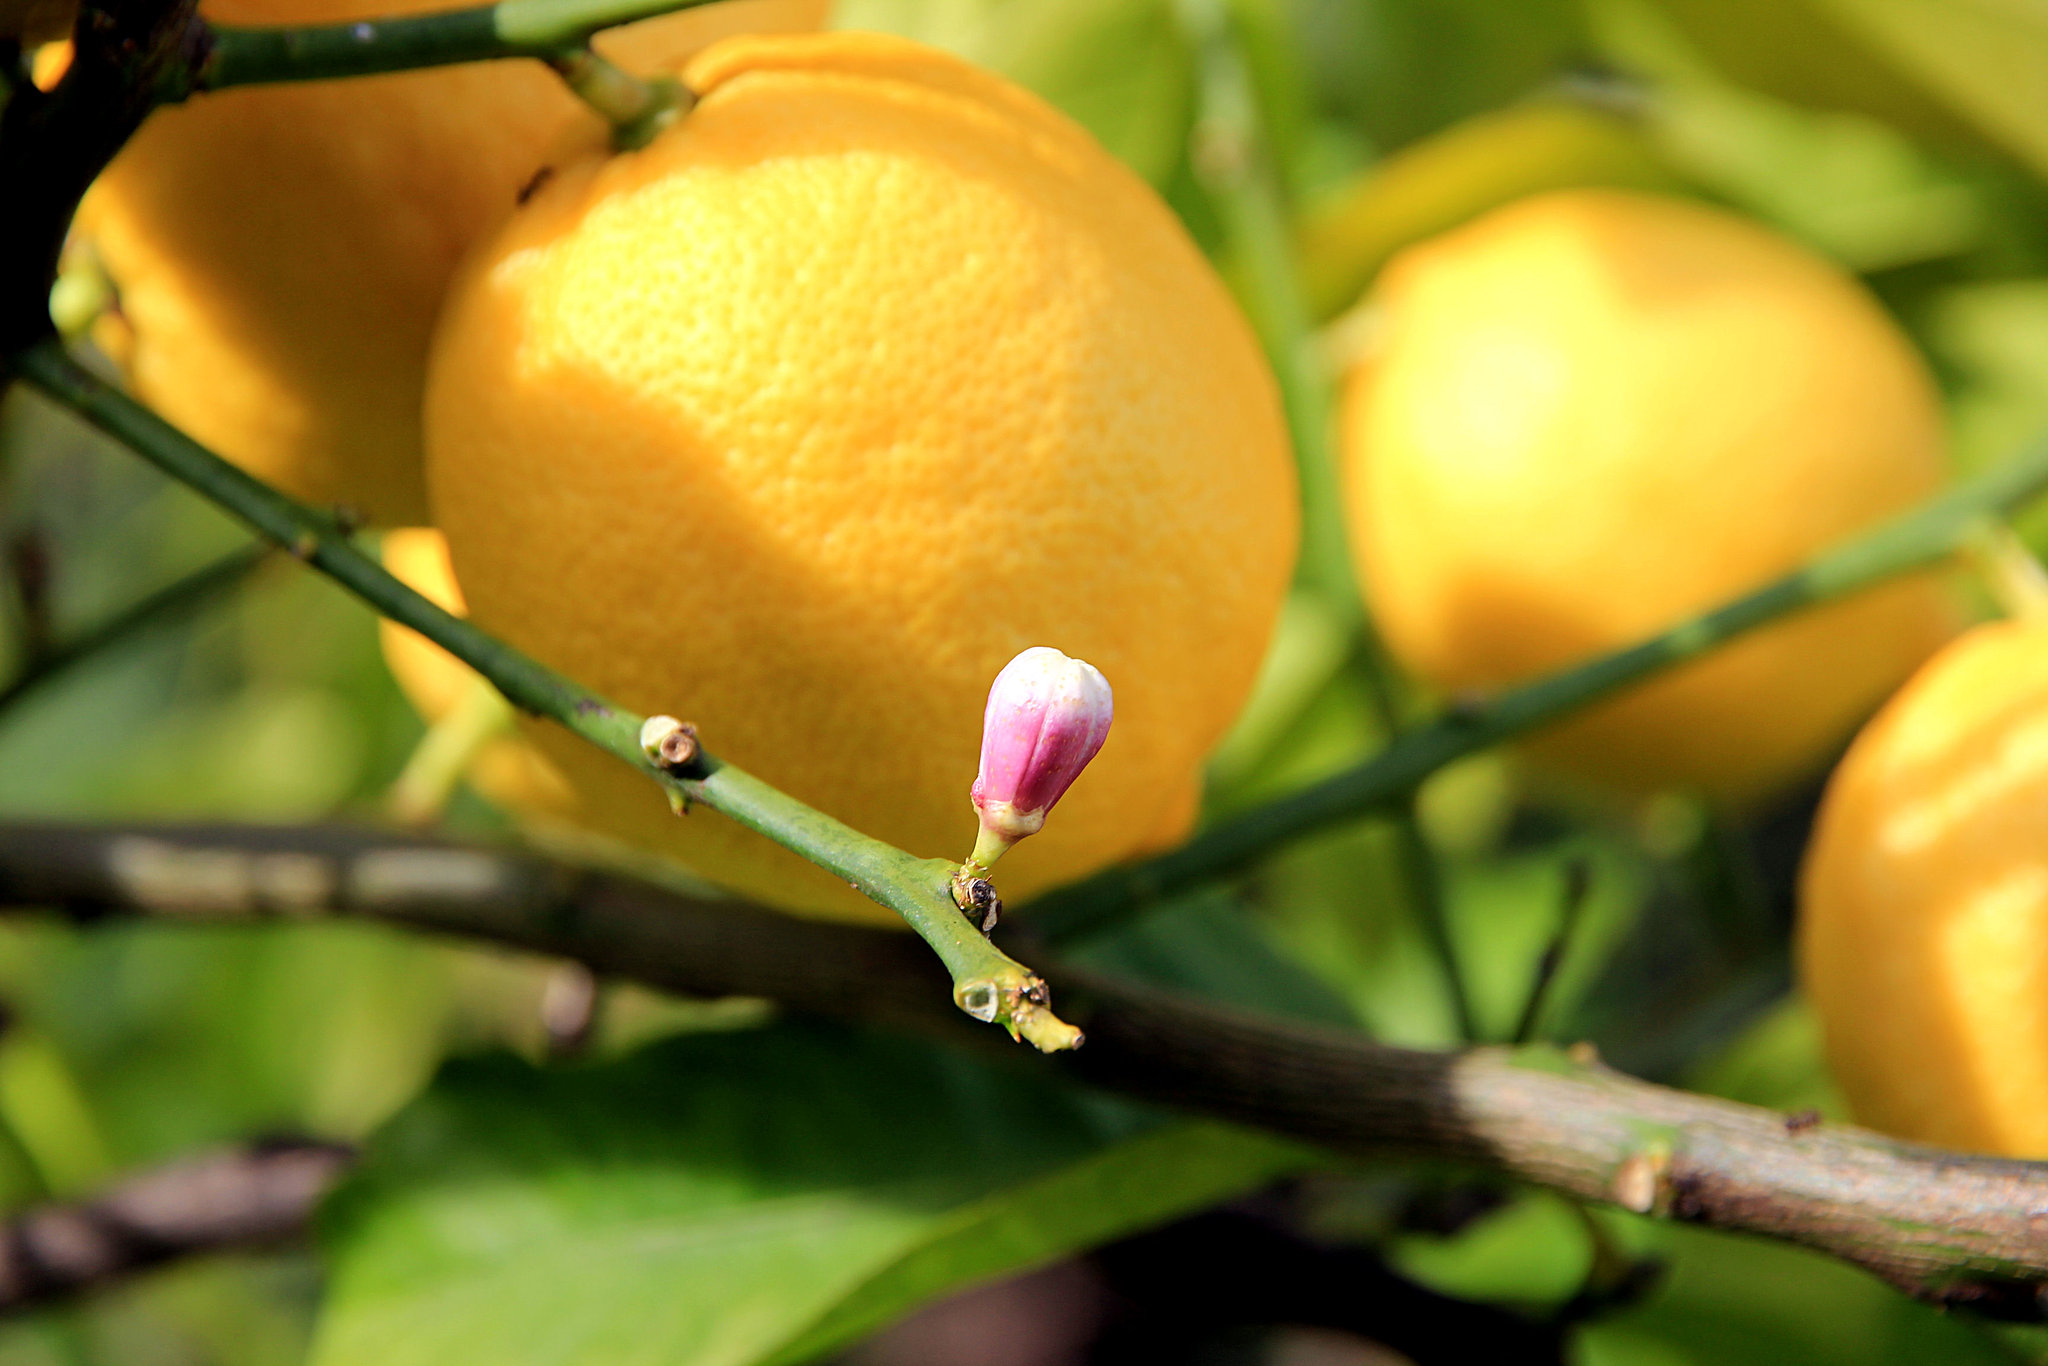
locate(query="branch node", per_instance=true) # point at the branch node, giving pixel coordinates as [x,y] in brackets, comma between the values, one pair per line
[671,746]
[976,897]
[1020,1003]
[1642,1181]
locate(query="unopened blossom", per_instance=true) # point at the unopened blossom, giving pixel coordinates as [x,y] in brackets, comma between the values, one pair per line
[1047,717]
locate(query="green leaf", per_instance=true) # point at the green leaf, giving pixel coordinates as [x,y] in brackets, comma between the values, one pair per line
[1729,1301]
[1850,185]
[1406,68]
[1208,944]
[1120,68]
[1987,59]
[736,1198]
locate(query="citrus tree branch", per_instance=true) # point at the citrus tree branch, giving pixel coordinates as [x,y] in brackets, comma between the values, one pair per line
[240,1198]
[985,980]
[1926,536]
[174,600]
[1962,1231]
[1232,160]
[131,56]
[543,29]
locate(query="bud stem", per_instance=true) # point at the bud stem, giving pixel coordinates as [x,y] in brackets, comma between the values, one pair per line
[989,846]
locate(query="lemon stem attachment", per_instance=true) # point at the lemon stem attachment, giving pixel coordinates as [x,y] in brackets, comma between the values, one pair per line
[636,109]
[1001,990]
[989,845]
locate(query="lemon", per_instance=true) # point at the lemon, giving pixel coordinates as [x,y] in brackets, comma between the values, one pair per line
[1593,412]
[1923,930]
[800,422]
[507,771]
[280,251]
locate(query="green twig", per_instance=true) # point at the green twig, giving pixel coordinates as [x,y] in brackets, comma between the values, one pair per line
[541,29]
[1578,876]
[1920,538]
[1233,161]
[185,595]
[636,108]
[986,982]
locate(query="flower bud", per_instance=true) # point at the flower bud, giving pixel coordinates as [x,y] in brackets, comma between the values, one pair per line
[1047,717]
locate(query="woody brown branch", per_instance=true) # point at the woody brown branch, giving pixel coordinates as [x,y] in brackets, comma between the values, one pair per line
[241,1198]
[1958,1230]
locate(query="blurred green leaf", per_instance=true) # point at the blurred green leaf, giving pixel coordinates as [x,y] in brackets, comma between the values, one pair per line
[1776,1063]
[1400,69]
[1506,912]
[1532,1250]
[1208,946]
[1992,340]
[1987,59]
[1337,904]
[1850,185]
[734,1198]
[1310,643]
[174,1037]
[1119,67]
[1732,1301]
[1799,50]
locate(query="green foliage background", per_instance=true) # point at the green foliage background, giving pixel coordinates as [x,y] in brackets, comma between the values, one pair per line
[712,1187]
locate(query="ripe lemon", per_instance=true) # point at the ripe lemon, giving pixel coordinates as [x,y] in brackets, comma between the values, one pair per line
[280,251]
[1594,412]
[1923,932]
[507,771]
[800,422]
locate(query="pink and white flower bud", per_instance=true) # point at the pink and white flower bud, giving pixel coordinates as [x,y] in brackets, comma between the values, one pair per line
[1047,717]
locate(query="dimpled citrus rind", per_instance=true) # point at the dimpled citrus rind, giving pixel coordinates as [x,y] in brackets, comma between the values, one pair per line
[802,421]
[1595,412]
[280,252]
[1923,930]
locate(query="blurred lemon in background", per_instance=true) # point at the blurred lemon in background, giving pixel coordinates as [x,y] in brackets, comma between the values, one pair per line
[1923,931]
[802,421]
[279,252]
[1593,412]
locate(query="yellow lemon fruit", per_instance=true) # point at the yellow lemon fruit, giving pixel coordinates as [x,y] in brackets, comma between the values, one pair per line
[279,252]
[1592,413]
[800,422]
[507,771]
[1923,922]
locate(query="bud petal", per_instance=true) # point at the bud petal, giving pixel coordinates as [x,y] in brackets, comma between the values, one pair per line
[1047,717]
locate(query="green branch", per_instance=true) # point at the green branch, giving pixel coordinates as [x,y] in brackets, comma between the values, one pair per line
[183,596]
[1233,161]
[542,29]
[1920,538]
[986,982]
